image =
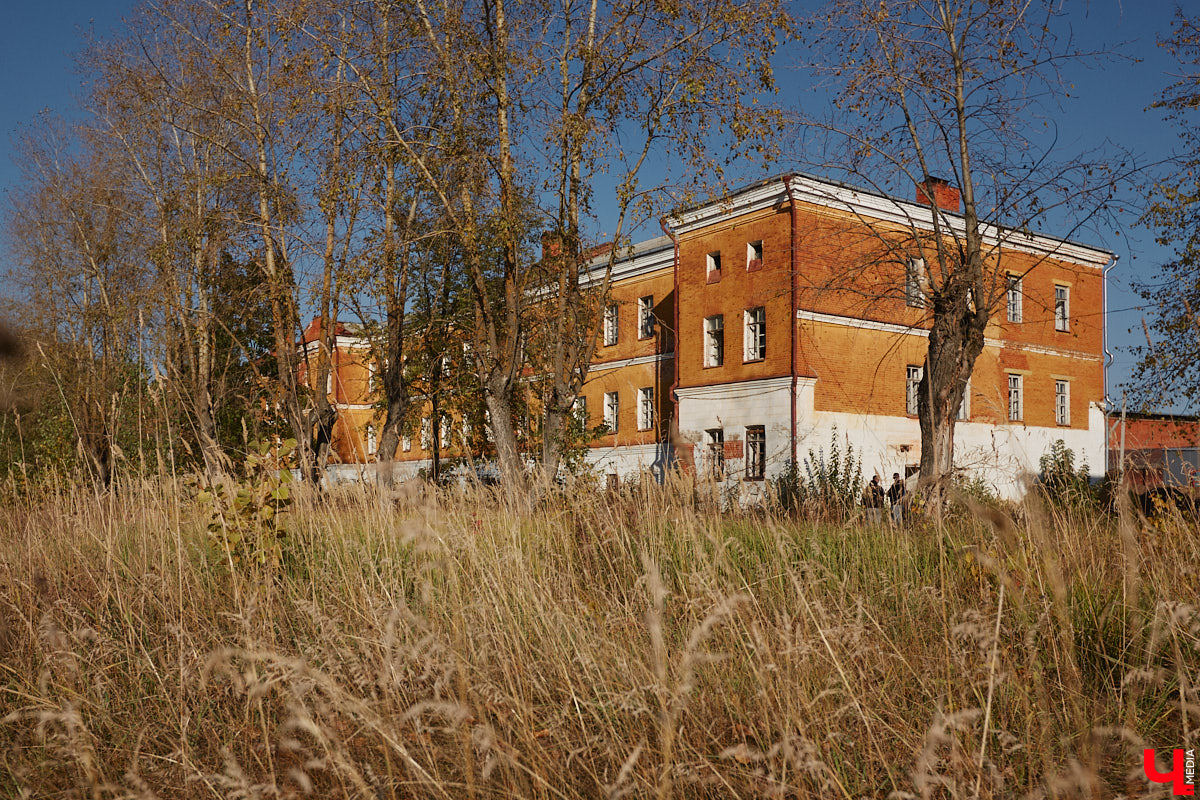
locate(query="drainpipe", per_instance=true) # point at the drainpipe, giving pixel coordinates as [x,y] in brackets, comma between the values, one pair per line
[674,332]
[1109,358]
[787,183]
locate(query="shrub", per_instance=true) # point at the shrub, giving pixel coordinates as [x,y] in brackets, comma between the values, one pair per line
[245,518]
[1061,483]
[826,487]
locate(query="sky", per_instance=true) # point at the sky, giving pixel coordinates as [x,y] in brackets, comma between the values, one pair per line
[37,72]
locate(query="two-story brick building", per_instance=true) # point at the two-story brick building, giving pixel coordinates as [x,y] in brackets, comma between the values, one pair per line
[348,386]
[627,394]
[767,319]
[799,311]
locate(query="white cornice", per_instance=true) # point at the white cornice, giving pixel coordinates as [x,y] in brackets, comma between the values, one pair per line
[340,343]
[904,330]
[764,194]
[868,205]
[646,257]
[920,216]
[737,389]
[630,362]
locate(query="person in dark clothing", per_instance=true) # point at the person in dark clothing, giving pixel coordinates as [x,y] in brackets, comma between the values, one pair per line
[873,500]
[896,495]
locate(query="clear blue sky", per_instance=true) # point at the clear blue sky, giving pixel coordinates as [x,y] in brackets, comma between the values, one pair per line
[38,38]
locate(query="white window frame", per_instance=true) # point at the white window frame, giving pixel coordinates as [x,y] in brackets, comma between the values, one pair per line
[645,415]
[1062,307]
[964,408]
[912,389]
[646,316]
[426,434]
[445,430]
[611,325]
[915,282]
[1014,298]
[714,340]
[1062,401]
[754,252]
[756,452]
[372,442]
[1016,397]
[712,263]
[579,410]
[612,411]
[714,441]
[406,443]
[754,333]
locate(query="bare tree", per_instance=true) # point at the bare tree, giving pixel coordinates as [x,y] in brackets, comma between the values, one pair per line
[625,93]
[1168,370]
[80,268]
[234,71]
[520,148]
[396,127]
[419,74]
[334,146]
[955,88]
[149,115]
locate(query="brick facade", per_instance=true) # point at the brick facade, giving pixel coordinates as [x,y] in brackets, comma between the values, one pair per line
[1154,432]
[834,281]
[814,275]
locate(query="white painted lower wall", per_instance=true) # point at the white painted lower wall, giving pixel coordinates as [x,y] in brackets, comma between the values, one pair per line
[735,406]
[625,461]
[630,461]
[1005,456]
[351,473]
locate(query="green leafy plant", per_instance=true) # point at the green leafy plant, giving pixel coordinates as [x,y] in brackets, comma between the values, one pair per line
[971,492]
[246,518]
[1061,482]
[825,486]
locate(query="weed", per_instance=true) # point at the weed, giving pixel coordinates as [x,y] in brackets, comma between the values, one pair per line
[245,519]
[609,644]
[825,486]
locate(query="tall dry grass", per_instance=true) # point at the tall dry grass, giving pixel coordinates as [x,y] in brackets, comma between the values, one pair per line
[634,646]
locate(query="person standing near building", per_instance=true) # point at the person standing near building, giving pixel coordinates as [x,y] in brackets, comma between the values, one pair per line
[873,500]
[896,495]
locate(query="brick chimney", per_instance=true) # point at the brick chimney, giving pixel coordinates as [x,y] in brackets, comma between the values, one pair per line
[945,196]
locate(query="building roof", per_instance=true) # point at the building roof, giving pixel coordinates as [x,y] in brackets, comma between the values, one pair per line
[856,200]
[638,258]
[313,332]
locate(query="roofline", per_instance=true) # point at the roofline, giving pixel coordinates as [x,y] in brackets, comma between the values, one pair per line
[637,259]
[865,202]
[1162,416]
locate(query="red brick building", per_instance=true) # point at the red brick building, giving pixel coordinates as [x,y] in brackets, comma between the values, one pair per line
[767,319]
[807,289]
[349,388]
[1159,450]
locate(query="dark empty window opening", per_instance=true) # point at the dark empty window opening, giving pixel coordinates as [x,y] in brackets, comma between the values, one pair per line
[756,452]
[754,255]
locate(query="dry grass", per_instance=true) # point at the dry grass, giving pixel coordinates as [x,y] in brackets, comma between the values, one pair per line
[609,647]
